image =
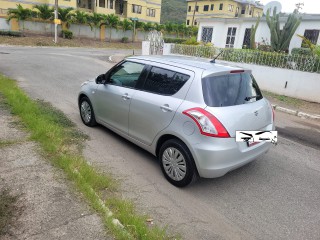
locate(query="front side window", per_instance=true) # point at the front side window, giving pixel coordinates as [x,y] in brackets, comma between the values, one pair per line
[164,82]
[126,74]
[136,8]
[230,90]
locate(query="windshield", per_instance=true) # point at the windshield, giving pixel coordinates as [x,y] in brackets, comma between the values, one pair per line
[230,90]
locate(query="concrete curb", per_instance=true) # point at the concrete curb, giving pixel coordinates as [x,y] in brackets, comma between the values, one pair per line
[296,113]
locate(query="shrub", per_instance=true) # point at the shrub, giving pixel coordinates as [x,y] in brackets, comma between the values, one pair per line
[174,40]
[125,39]
[67,34]
[11,33]
[265,48]
[301,51]
[191,41]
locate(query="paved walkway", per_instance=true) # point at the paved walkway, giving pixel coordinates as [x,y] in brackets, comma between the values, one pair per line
[50,208]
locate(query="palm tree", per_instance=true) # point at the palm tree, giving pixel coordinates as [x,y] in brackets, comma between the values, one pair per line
[112,21]
[94,22]
[44,11]
[66,16]
[126,25]
[20,13]
[80,18]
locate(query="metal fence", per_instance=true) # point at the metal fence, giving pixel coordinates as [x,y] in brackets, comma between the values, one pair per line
[305,63]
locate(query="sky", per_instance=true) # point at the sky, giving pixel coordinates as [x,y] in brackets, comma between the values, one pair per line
[310,6]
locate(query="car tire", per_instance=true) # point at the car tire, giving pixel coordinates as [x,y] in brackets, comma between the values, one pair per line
[86,112]
[177,163]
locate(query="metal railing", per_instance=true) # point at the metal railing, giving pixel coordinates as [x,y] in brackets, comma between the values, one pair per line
[305,63]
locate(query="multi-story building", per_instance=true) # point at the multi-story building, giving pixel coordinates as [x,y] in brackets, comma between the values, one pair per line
[144,10]
[221,9]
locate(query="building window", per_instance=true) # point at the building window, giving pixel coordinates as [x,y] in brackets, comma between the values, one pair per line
[188,22]
[221,6]
[230,8]
[237,12]
[189,9]
[197,8]
[111,4]
[246,39]
[151,12]
[206,35]
[102,3]
[195,23]
[206,8]
[136,8]
[231,36]
[312,35]
[212,7]
[243,11]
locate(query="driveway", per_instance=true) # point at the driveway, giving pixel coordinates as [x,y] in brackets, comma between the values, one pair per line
[275,197]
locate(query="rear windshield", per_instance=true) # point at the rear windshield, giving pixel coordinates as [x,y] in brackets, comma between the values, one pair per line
[230,90]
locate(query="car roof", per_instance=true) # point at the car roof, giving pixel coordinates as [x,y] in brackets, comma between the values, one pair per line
[194,62]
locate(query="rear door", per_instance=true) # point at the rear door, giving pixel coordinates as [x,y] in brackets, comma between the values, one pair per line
[155,104]
[236,100]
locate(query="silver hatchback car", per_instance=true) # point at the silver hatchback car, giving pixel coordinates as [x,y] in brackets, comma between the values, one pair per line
[184,110]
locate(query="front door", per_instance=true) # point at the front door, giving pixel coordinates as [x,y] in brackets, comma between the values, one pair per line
[114,97]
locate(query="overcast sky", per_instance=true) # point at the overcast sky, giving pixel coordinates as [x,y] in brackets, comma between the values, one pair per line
[310,6]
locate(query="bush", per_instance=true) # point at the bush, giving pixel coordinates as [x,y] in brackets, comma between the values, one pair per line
[11,33]
[125,40]
[265,48]
[191,41]
[174,40]
[67,34]
[301,51]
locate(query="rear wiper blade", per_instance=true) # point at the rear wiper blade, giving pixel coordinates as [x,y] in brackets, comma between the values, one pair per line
[249,98]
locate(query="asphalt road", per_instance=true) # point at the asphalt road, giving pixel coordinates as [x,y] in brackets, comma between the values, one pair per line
[275,197]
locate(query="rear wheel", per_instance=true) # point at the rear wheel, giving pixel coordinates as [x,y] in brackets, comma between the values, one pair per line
[86,112]
[177,163]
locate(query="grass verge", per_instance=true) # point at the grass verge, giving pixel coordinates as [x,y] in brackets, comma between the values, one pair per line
[286,100]
[7,210]
[61,143]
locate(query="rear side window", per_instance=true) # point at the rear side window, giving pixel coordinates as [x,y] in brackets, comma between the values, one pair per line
[164,82]
[230,90]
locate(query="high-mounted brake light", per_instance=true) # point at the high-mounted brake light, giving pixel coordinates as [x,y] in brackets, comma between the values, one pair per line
[237,71]
[208,124]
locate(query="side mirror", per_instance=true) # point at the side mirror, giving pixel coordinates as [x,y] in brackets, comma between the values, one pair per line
[101,79]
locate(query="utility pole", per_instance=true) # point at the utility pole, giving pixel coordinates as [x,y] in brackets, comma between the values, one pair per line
[56,21]
[194,12]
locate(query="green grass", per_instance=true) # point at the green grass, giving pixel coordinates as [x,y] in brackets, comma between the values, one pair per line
[61,142]
[287,100]
[7,210]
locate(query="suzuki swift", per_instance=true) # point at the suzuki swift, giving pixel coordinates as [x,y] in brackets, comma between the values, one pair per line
[184,110]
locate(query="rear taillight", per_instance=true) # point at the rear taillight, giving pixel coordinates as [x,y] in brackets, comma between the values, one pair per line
[208,124]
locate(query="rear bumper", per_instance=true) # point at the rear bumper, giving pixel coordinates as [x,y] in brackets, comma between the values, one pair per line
[215,160]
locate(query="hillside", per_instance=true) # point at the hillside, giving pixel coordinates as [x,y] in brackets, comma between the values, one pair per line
[174,11]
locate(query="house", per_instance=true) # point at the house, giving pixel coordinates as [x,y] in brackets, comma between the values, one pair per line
[235,32]
[202,9]
[144,10]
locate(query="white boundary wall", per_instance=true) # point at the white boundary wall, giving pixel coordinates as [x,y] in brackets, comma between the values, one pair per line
[4,25]
[291,83]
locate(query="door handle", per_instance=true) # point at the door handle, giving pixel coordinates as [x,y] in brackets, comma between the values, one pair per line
[166,108]
[126,97]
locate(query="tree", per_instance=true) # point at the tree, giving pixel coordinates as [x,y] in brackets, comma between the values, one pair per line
[20,13]
[126,25]
[94,21]
[44,12]
[253,34]
[280,39]
[80,18]
[148,27]
[66,17]
[111,21]
[159,27]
